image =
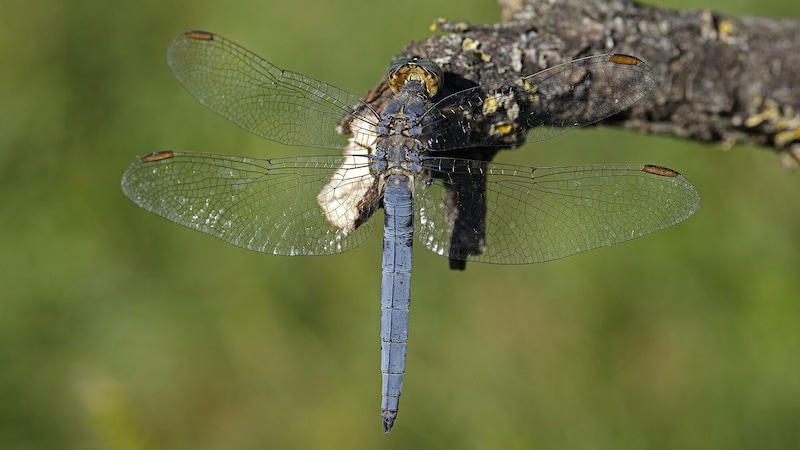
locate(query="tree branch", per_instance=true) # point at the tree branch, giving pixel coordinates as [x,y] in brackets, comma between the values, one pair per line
[719,79]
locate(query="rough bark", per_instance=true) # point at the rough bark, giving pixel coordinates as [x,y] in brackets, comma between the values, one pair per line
[719,79]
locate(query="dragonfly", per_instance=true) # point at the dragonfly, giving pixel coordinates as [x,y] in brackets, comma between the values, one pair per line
[415,159]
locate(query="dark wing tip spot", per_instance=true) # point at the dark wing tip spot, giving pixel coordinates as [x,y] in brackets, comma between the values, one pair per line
[199,35]
[157,156]
[658,170]
[625,59]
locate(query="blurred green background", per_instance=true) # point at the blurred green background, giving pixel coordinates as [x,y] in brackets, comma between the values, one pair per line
[120,330]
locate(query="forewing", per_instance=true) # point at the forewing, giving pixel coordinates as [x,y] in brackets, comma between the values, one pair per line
[273,206]
[275,104]
[536,215]
[539,106]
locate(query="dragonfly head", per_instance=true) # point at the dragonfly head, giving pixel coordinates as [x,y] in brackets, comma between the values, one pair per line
[415,69]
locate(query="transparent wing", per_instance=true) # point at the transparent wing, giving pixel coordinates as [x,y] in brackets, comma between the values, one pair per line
[540,214]
[276,104]
[539,106]
[284,206]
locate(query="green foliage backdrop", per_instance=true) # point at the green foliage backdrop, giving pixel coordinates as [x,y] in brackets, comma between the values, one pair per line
[119,330]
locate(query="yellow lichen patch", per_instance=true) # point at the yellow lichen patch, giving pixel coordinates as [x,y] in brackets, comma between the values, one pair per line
[445,25]
[785,137]
[516,58]
[493,102]
[512,111]
[490,105]
[725,30]
[502,128]
[772,118]
[768,111]
[436,23]
[532,90]
[471,45]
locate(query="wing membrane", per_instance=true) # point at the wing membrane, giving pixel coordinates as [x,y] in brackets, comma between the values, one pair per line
[265,205]
[536,215]
[276,104]
[540,106]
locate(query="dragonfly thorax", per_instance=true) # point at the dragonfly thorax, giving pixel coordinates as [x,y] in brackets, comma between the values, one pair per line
[403,115]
